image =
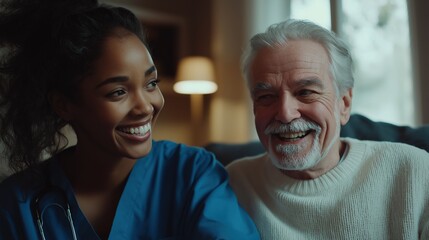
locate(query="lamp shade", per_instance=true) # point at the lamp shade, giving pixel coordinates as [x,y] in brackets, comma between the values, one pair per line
[195,75]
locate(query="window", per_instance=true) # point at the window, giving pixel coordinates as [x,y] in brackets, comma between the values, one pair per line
[317,11]
[377,32]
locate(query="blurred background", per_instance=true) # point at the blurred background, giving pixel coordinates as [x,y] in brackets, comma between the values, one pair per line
[388,39]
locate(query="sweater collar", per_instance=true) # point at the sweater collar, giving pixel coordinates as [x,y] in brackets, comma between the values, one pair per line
[338,176]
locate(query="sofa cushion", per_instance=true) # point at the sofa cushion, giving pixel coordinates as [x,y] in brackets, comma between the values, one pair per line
[363,128]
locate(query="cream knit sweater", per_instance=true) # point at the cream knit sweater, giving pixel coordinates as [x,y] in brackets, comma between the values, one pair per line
[379,191]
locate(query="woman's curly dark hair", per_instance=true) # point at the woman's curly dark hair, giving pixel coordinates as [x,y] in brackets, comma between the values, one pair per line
[47,46]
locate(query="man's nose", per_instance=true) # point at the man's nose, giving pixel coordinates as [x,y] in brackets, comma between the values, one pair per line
[288,108]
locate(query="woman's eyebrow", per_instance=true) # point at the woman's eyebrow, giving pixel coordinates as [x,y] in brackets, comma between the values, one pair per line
[150,70]
[119,79]
[116,79]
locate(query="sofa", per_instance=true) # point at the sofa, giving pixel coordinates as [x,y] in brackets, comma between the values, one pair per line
[359,127]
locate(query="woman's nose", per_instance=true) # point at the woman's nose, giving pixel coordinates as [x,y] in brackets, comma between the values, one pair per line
[142,105]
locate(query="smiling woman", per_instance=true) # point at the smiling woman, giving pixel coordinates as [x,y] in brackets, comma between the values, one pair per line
[121,92]
[102,82]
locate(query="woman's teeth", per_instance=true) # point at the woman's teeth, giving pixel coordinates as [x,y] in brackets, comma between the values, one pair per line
[136,130]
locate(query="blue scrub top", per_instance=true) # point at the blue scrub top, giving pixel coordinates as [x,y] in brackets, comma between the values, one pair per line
[176,192]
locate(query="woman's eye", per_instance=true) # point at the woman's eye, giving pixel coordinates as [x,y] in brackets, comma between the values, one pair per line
[153,84]
[116,93]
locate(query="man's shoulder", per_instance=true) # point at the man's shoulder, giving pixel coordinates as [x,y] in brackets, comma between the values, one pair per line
[391,151]
[247,163]
[400,147]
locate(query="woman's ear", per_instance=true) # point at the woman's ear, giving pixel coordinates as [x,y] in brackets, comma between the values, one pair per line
[346,106]
[61,106]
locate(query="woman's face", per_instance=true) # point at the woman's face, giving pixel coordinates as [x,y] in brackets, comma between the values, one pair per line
[118,101]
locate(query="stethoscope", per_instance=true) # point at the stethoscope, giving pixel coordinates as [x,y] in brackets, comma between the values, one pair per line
[39,207]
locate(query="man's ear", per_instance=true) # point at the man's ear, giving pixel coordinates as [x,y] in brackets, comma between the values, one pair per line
[61,105]
[346,106]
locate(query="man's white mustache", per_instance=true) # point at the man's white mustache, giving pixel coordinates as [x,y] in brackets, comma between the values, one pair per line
[297,125]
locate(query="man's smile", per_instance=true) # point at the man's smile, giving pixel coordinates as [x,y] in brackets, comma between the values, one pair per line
[292,136]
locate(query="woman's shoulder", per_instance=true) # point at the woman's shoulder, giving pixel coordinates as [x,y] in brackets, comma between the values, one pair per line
[171,149]
[182,156]
[24,184]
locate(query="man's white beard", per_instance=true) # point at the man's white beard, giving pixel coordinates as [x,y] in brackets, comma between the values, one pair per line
[293,156]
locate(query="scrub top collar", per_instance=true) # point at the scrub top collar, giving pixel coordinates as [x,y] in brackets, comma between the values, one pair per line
[126,205]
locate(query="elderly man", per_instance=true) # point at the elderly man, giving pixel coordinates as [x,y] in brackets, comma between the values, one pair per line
[312,184]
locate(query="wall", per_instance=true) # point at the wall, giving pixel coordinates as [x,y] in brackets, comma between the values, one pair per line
[230,118]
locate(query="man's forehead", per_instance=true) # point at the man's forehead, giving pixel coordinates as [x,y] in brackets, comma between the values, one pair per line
[304,54]
[298,63]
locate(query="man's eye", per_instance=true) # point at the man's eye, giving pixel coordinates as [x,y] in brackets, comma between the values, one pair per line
[265,99]
[262,97]
[305,92]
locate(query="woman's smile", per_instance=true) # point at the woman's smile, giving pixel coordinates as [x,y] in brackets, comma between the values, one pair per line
[137,133]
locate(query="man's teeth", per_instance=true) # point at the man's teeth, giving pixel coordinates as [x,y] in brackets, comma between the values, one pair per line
[293,135]
[136,130]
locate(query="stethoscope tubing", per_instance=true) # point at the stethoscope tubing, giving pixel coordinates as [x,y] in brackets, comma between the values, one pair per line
[39,214]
